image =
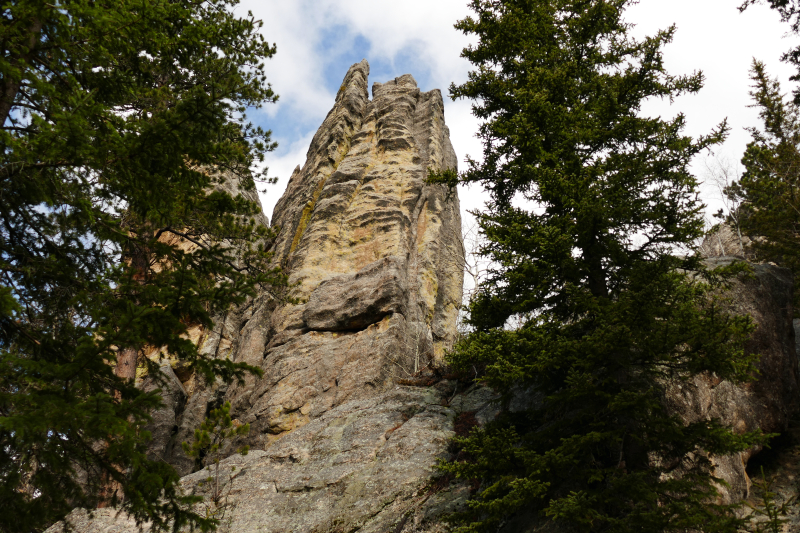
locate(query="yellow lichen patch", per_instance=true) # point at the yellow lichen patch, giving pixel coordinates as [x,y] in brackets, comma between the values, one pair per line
[141,373]
[383,325]
[285,422]
[304,219]
[308,210]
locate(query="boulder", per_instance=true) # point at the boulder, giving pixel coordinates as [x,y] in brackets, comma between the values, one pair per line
[355,301]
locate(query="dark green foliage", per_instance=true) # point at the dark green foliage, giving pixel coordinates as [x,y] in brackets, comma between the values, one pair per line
[210,440]
[769,189]
[770,516]
[596,301]
[118,120]
[216,430]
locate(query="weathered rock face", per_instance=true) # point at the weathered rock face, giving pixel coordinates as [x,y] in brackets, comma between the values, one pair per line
[375,252]
[362,466]
[165,419]
[768,403]
[366,466]
[727,241]
[375,259]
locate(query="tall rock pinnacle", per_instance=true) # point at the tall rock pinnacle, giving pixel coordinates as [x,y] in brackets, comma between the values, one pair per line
[376,253]
[375,260]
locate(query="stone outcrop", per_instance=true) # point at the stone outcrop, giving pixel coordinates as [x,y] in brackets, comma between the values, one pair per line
[164,420]
[362,466]
[725,240]
[339,441]
[374,257]
[366,465]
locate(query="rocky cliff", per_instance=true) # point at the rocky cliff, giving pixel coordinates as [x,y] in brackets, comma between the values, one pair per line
[374,256]
[375,263]
[344,433]
[769,403]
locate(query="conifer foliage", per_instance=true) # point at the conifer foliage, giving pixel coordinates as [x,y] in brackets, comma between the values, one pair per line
[210,440]
[590,224]
[789,10]
[769,188]
[118,121]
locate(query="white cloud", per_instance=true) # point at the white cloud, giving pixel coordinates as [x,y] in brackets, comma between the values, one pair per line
[392,25]
[295,71]
[282,166]
[712,36]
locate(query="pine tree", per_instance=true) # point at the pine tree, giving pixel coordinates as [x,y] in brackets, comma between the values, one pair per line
[211,439]
[119,121]
[789,10]
[596,299]
[769,188]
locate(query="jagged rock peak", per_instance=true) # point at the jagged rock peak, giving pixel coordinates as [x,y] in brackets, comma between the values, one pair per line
[375,258]
[375,251]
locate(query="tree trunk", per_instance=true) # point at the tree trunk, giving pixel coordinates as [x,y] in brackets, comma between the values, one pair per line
[126,363]
[127,359]
[10,86]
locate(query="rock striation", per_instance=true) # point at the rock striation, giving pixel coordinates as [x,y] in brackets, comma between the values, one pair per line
[374,255]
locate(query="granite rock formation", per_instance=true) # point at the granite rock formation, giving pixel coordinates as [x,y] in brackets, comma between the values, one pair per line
[727,241]
[375,260]
[340,440]
[366,465]
[375,256]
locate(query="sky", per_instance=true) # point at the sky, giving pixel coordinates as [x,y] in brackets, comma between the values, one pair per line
[318,40]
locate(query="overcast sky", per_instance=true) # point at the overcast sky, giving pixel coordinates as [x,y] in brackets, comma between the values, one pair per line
[318,40]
